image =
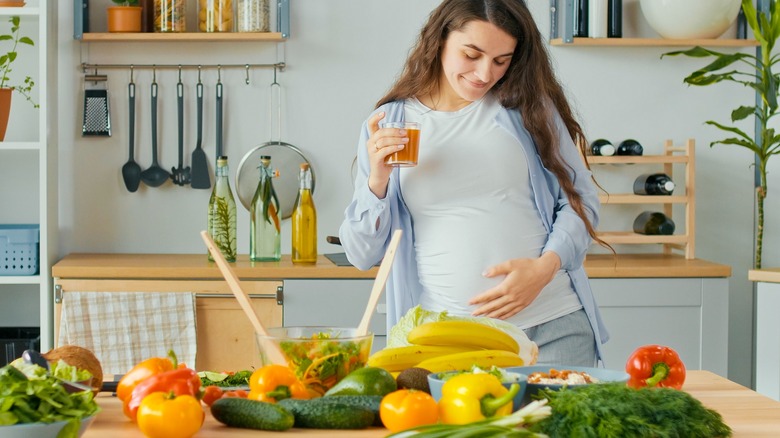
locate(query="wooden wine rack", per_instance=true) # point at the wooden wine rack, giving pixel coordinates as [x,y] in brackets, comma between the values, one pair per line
[683,240]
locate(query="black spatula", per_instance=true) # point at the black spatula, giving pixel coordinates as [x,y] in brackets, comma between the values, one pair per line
[200,165]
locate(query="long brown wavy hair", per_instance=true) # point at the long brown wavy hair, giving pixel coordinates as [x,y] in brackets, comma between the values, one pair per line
[529,85]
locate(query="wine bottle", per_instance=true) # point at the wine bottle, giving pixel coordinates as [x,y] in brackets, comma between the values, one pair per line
[304,221]
[629,147]
[602,147]
[653,223]
[653,184]
[264,223]
[222,213]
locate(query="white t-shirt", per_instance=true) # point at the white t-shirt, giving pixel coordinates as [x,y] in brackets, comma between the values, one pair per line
[472,207]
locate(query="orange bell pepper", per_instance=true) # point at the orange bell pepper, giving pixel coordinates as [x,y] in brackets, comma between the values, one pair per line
[182,381]
[655,365]
[142,371]
[164,415]
[406,408]
[272,383]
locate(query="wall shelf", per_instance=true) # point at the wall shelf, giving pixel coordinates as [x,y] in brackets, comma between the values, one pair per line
[652,42]
[273,37]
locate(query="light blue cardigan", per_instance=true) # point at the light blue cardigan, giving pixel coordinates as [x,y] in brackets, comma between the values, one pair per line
[365,245]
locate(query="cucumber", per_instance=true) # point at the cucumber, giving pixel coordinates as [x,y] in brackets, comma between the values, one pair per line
[371,402]
[318,414]
[251,414]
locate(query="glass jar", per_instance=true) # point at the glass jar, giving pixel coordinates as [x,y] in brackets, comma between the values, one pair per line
[170,15]
[215,15]
[253,15]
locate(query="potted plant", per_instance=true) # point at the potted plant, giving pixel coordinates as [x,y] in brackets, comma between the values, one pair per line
[124,18]
[6,62]
[757,73]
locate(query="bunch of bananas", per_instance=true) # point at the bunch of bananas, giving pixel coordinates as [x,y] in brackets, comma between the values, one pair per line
[450,345]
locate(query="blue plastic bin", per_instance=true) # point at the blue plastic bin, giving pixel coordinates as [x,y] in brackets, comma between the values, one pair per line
[19,249]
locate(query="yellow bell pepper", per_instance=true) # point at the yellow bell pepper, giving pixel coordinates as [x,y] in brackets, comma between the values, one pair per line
[472,397]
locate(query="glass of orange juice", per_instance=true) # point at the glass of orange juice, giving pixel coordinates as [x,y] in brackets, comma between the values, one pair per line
[406,157]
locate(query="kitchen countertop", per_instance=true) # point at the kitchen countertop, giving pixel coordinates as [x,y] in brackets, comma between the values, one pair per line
[767,275]
[748,413]
[196,266]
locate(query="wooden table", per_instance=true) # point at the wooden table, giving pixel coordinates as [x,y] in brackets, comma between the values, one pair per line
[748,413]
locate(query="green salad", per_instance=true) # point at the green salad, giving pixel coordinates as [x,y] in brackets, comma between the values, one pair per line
[32,395]
[322,360]
[503,375]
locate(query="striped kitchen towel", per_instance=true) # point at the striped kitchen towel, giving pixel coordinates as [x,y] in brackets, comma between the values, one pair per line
[124,328]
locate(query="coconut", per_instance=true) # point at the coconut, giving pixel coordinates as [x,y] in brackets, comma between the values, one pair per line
[80,358]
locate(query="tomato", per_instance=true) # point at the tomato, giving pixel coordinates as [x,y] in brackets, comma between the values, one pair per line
[211,394]
[164,415]
[407,408]
[237,393]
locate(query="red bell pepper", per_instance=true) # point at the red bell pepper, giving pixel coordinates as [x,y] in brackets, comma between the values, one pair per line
[655,366]
[182,381]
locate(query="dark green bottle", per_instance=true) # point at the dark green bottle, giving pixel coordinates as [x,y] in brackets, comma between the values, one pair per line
[653,223]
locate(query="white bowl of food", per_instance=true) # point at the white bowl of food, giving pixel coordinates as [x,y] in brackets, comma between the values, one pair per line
[41,430]
[555,378]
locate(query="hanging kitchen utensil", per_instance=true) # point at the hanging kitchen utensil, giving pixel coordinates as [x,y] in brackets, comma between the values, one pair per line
[219,114]
[200,164]
[180,175]
[155,175]
[97,120]
[287,160]
[131,171]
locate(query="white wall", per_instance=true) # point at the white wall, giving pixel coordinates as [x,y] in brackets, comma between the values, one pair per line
[341,57]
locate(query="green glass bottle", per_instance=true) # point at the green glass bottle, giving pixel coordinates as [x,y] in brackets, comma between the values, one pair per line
[304,222]
[222,213]
[653,223]
[265,243]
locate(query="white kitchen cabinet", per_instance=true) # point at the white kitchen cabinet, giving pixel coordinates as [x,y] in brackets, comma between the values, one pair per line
[767,331]
[687,314]
[337,302]
[28,171]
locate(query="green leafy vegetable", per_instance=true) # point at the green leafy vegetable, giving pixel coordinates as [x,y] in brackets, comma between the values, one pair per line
[614,410]
[225,380]
[41,399]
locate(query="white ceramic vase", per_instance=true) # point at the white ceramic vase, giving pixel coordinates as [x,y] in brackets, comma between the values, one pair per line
[690,19]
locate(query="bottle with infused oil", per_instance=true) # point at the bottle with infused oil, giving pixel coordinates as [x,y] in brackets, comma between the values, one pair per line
[265,237]
[304,221]
[222,213]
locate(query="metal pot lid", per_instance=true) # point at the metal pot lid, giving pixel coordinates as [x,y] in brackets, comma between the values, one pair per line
[287,159]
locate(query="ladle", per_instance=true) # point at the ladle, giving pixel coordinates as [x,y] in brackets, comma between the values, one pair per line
[131,171]
[155,175]
[379,283]
[271,349]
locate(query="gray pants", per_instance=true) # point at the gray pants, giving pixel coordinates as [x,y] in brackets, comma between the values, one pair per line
[567,340]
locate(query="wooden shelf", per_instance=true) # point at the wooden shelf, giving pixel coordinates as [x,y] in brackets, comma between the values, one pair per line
[653,42]
[625,198]
[637,159]
[685,238]
[184,37]
[629,238]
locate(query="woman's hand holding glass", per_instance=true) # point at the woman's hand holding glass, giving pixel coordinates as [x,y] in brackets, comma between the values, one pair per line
[381,143]
[524,281]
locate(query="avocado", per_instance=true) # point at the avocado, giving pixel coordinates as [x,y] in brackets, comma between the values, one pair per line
[365,381]
[414,378]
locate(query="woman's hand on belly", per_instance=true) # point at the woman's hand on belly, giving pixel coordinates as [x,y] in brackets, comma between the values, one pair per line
[524,280]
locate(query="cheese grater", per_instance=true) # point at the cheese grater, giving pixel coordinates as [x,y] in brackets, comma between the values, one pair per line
[97,119]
